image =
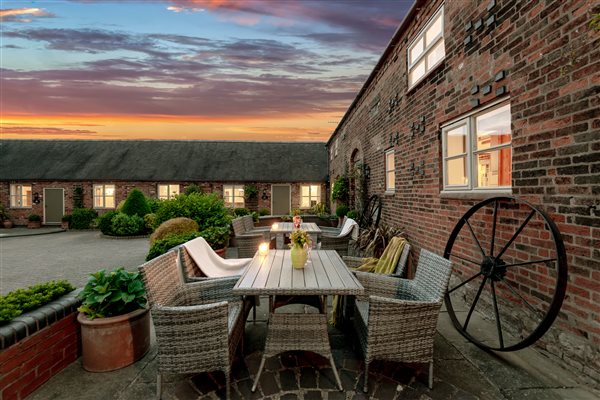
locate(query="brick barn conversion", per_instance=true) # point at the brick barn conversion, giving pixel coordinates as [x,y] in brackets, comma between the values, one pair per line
[42,177]
[474,99]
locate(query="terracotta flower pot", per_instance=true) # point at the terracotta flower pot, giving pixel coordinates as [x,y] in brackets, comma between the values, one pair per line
[221,252]
[115,342]
[7,223]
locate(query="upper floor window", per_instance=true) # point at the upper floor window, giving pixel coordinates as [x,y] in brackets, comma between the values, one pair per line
[104,196]
[166,192]
[390,171]
[427,50]
[233,196]
[310,195]
[20,196]
[477,151]
[336,145]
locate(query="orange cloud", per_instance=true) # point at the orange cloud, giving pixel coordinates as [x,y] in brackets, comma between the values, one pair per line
[15,14]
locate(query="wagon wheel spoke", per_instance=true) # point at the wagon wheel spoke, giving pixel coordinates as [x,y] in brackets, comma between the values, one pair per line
[494,228]
[516,293]
[498,324]
[465,259]
[518,231]
[475,238]
[475,300]
[464,282]
[545,260]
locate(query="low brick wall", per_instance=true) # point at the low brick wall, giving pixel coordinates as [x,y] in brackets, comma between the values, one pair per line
[37,345]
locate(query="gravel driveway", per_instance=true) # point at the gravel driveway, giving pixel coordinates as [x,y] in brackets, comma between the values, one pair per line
[72,255]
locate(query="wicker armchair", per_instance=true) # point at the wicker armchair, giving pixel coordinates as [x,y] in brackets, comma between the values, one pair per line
[341,241]
[246,243]
[334,231]
[250,228]
[198,325]
[410,307]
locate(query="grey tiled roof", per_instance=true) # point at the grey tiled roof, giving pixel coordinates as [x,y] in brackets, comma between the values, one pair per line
[145,160]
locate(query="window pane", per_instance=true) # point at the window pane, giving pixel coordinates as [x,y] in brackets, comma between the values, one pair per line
[434,30]
[436,54]
[493,128]
[417,72]
[305,202]
[416,50]
[390,178]
[389,161]
[98,202]
[456,141]
[109,202]
[305,190]
[26,196]
[456,171]
[163,191]
[109,190]
[315,193]
[239,191]
[494,168]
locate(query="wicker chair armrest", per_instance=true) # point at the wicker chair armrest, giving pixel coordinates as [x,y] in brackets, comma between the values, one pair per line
[353,262]
[211,290]
[408,318]
[383,285]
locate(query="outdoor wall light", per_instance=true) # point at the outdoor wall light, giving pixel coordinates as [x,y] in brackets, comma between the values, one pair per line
[367,170]
[263,249]
[36,198]
[264,195]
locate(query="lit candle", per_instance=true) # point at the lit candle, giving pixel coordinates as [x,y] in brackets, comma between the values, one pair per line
[263,249]
[275,225]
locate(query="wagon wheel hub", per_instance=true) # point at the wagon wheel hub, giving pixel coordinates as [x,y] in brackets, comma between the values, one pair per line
[493,268]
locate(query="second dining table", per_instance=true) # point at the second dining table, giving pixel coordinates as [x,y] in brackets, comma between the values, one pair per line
[272,274]
[280,229]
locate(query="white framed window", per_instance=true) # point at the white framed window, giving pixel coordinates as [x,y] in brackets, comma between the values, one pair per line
[233,196]
[20,196]
[477,151]
[390,171]
[310,195]
[104,196]
[336,145]
[427,50]
[167,191]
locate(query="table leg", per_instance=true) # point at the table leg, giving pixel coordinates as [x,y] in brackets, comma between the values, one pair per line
[314,238]
[279,242]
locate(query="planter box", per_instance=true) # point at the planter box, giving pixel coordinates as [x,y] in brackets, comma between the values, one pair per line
[37,345]
[34,224]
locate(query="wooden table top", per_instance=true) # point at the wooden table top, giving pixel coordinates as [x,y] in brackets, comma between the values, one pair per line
[288,227]
[324,274]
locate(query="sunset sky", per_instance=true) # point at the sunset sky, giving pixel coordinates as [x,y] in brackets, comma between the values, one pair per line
[218,70]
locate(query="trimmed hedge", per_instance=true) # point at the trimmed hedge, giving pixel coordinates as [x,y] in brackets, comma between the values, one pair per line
[136,204]
[175,226]
[22,300]
[82,218]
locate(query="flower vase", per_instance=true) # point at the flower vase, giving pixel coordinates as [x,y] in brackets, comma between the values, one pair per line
[299,255]
[297,221]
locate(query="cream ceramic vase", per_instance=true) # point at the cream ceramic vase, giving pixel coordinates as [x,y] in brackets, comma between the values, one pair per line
[299,255]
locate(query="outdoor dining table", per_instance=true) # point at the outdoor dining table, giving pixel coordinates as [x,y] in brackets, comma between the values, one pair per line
[272,274]
[279,230]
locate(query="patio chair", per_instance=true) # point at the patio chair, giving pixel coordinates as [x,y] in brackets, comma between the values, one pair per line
[246,243]
[330,230]
[250,228]
[341,241]
[198,325]
[396,318]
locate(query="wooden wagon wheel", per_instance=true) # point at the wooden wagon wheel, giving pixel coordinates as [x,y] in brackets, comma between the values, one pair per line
[371,213]
[510,266]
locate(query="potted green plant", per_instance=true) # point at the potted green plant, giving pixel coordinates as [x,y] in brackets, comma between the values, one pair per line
[34,221]
[217,237]
[5,217]
[299,243]
[65,221]
[115,323]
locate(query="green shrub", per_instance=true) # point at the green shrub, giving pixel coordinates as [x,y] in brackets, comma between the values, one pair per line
[136,204]
[255,216]
[250,192]
[175,226]
[110,294]
[162,246]
[216,236]
[66,218]
[238,212]
[34,217]
[153,203]
[264,211]
[207,209]
[82,218]
[78,197]
[341,190]
[127,225]
[352,214]
[105,222]
[149,220]
[193,188]
[341,210]
[319,209]
[22,300]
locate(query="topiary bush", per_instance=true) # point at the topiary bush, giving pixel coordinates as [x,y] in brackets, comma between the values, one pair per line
[264,211]
[163,245]
[175,226]
[341,210]
[105,222]
[22,300]
[82,218]
[241,211]
[352,214]
[136,204]
[127,225]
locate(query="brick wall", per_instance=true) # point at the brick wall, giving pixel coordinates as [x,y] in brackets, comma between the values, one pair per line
[544,57]
[19,216]
[26,365]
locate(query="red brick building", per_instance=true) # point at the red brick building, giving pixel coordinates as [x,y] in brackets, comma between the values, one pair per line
[474,99]
[45,177]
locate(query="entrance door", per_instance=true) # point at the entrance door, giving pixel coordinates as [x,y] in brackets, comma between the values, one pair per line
[280,199]
[54,206]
